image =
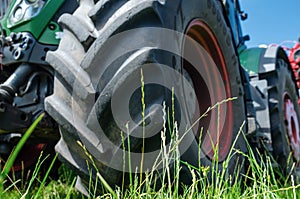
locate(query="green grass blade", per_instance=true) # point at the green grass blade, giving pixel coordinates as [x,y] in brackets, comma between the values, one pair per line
[34,175]
[71,188]
[18,148]
[45,177]
[107,186]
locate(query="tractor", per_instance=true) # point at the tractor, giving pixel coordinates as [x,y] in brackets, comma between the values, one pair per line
[114,76]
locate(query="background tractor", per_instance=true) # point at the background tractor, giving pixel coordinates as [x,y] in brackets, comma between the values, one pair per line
[103,67]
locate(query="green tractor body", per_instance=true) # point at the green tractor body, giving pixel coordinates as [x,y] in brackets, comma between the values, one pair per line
[41,26]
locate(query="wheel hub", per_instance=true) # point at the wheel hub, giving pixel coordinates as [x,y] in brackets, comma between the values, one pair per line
[292,126]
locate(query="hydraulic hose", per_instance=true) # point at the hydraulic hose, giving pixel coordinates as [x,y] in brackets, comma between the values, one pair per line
[10,87]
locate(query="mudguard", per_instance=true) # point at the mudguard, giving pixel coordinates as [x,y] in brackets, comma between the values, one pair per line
[262,60]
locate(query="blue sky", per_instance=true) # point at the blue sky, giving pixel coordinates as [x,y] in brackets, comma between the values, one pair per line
[271,21]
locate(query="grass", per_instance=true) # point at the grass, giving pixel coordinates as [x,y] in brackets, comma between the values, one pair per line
[263,188]
[61,188]
[260,179]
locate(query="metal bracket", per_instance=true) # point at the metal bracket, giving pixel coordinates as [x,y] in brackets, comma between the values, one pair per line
[259,90]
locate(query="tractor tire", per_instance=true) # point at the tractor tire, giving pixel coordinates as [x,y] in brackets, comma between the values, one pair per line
[284,118]
[120,63]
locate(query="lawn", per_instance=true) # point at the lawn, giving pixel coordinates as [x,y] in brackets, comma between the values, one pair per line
[259,179]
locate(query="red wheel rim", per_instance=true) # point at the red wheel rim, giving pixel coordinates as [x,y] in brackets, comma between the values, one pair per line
[292,126]
[213,139]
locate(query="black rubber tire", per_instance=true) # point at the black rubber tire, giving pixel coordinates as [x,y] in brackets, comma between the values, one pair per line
[83,77]
[281,84]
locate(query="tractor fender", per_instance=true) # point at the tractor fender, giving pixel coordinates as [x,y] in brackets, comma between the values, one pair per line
[259,60]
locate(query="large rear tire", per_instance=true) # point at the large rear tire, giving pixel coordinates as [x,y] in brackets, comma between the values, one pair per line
[183,50]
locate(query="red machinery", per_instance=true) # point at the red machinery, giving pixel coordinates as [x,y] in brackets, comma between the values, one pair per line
[294,58]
